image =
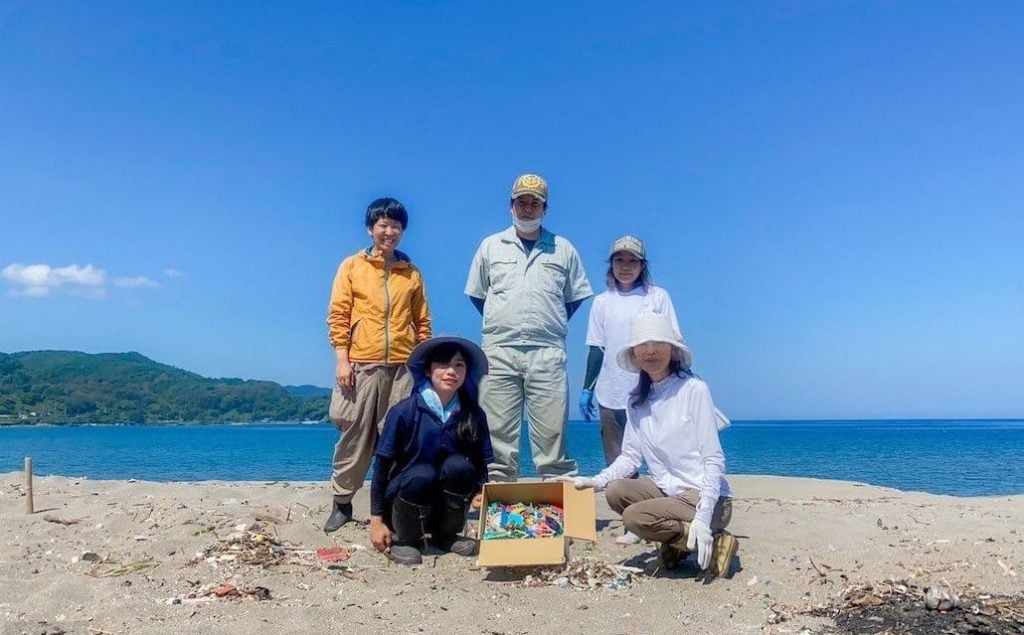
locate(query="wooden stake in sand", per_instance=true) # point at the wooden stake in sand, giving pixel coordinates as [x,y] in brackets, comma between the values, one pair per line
[29,505]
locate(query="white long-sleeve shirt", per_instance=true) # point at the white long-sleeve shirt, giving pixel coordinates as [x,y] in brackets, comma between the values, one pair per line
[676,433]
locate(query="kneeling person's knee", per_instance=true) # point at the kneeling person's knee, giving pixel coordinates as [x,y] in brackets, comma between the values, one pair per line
[419,484]
[458,475]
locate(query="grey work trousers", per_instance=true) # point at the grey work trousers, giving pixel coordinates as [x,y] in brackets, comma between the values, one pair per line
[527,381]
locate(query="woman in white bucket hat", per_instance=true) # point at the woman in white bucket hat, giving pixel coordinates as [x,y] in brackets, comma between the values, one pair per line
[606,385]
[685,503]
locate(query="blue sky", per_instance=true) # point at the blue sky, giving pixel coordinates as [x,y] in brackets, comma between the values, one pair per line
[833,193]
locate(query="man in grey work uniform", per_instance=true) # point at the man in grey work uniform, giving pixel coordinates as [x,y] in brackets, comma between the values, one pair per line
[527,282]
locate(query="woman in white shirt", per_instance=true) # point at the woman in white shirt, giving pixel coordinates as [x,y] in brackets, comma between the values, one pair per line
[630,292]
[685,503]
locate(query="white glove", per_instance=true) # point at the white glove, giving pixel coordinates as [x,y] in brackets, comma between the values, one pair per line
[700,540]
[580,482]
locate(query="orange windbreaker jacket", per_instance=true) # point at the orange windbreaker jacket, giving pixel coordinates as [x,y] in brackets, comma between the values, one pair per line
[378,312]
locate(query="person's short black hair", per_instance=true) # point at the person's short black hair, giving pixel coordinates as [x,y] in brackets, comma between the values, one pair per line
[386,208]
[512,202]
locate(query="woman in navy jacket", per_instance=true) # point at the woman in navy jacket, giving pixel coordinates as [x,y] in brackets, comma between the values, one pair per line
[432,456]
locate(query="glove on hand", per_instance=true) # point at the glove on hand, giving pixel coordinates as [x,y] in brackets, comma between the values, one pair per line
[700,540]
[579,482]
[587,404]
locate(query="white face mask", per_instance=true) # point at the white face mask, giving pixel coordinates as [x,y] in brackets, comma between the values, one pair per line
[526,226]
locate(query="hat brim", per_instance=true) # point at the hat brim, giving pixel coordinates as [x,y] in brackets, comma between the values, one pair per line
[679,352]
[542,199]
[477,359]
[627,250]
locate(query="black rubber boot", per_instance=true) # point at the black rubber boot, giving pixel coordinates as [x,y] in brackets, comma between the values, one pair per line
[409,522]
[448,521]
[341,513]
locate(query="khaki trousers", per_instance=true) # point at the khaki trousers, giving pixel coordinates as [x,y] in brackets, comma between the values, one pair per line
[527,381]
[359,415]
[653,515]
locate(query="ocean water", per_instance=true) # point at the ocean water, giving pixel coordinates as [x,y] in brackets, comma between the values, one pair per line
[962,457]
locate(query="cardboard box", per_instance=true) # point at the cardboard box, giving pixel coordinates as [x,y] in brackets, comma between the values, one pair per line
[580,522]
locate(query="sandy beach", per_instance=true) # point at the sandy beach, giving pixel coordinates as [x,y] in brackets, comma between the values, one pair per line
[241,557]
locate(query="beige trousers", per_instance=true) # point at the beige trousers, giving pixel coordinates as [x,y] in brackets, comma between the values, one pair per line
[653,515]
[359,415]
[530,382]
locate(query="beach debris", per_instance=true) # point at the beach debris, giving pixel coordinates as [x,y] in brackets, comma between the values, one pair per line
[522,520]
[779,614]
[940,599]
[332,554]
[586,574]
[899,606]
[211,592]
[1007,569]
[131,567]
[50,518]
[250,547]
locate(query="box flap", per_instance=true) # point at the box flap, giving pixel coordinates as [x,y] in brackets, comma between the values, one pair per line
[522,552]
[580,512]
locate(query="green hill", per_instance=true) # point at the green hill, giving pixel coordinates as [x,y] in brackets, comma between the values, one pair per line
[73,387]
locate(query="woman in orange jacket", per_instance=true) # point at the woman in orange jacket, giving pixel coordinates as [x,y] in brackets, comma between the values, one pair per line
[378,313]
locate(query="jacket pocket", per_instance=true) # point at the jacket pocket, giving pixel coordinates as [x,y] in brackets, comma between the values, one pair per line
[354,335]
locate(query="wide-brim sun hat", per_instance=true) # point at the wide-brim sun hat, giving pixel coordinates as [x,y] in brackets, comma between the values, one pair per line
[654,327]
[477,359]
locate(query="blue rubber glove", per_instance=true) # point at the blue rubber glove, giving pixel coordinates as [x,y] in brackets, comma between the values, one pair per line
[587,404]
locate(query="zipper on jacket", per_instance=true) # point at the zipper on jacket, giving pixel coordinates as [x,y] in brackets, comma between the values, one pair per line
[387,312]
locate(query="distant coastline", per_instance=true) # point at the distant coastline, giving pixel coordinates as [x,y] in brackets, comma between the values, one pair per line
[75,388]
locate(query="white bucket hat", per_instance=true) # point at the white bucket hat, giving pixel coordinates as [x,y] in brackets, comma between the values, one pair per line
[654,327]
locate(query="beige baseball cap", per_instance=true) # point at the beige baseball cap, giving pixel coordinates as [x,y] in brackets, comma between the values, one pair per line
[530,184]
[632,244]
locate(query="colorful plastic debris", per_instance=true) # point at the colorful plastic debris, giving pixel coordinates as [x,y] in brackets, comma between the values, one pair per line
[522,520]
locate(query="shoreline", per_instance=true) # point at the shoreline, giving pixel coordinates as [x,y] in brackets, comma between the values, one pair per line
[799,481]
[803,543]
[20,423]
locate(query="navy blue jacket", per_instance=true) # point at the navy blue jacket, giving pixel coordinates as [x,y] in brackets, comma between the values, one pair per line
[414,434]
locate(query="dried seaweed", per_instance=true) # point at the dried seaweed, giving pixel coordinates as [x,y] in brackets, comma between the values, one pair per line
[902,607]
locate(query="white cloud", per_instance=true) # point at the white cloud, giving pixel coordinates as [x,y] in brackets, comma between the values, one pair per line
[171,272]
[89,281]
[136,282]
[38,281]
